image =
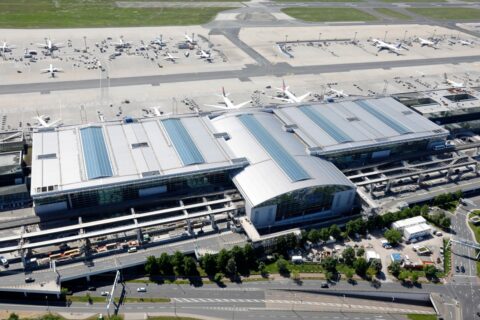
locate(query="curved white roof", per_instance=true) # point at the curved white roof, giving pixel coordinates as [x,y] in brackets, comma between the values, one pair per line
[265,178]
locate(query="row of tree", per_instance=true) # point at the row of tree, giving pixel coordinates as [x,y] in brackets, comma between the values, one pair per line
[403,275]
[170,265]
[232,262]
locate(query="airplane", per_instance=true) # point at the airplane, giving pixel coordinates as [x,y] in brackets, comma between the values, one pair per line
[453,83]
[227,103]
[206,55]
[52,70]
[381,45]
[427,43]
[6,48]
[155,111]
[289,96]
[190,40]
[159,41]
[42,120]
[170,57]
[337,93]
[121,44]
[466,43]
[50,45]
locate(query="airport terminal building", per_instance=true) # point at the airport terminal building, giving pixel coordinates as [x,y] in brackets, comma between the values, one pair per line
[284,161]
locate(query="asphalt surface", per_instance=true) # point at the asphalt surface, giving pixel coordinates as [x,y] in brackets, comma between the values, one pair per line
[276,70]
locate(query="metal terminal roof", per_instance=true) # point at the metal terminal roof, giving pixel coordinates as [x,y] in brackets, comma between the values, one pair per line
[281,157]
[383,117]
[328,126]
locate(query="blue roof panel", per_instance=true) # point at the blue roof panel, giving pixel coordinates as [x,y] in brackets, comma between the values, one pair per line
[95,153]
[183,143]
[281,157]
[326,125]
[395,125]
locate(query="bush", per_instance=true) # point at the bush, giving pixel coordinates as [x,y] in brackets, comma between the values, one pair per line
[282,266]
[395,268]
[218,278]
[360,266]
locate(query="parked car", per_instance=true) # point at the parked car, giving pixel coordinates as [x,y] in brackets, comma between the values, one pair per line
[29,279]
[92,289]
[142,289]
[463,269]
[457,268]
[132,249]
[4,262]
[324,285]
[104,293]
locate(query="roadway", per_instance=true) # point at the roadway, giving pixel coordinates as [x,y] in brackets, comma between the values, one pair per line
[466,289]
[249,71]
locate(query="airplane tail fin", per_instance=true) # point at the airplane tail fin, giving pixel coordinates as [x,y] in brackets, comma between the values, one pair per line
[224,93]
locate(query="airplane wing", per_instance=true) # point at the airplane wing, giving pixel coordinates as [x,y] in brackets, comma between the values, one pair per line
[54,123]
[238,106]
[216,106]
[45,70]
[42,122]
[282,99]
[304,96]
[41,45]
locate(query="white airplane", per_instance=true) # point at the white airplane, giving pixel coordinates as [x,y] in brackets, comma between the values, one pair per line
[190,39]
[121,43]
[427,43]
[42,120]
[170,57]
[155,111]
[206,55]
[50,45]
[159,41]
[6,47]
[466,43]
[453,83]
[289,96]
[337,93]
[381,45]
[52,70]
[227,103]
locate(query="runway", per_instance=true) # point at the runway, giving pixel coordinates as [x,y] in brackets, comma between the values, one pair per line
[277,70]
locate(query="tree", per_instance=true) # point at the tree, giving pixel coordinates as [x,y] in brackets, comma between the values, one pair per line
[430,271]
[329,264]
[190,266]
[262,269]
[165,265]
[335,231]
[282,266]
[250,257]
[360,266]
[424,210]
[209,264]
[403,275]
[393,236]
[151,266]
[13,316]
[295,275]
[348,256]
[222,260]
[314,235]
[395,268]
[376,264]
[324,234]
[231,267]
[360,252]
[237,254]
[371,272]
[178,261]
[328,275]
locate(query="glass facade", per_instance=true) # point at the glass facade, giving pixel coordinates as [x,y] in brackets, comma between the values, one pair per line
[347,158]
[105,195]
[304,201]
